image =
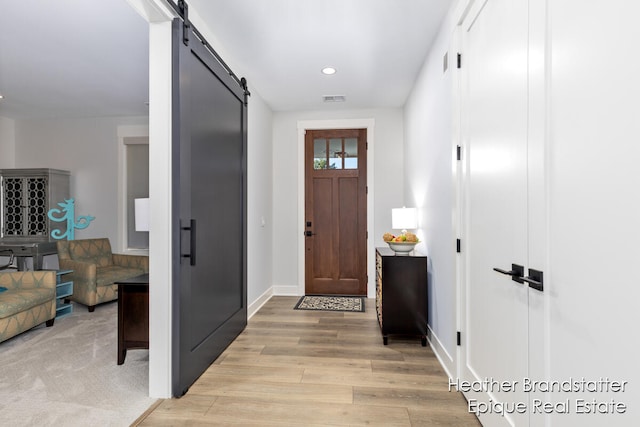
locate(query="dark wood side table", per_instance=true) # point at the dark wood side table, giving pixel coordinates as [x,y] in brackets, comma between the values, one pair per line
[133,315]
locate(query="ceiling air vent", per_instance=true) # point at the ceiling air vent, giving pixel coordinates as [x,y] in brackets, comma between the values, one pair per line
[333,98]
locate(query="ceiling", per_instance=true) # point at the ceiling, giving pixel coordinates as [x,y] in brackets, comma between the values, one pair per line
[79,58]
[73,58]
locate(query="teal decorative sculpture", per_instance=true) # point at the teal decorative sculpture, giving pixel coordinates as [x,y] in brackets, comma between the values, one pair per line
[68,214]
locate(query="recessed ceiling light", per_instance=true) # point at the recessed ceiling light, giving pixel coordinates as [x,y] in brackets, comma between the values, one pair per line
[328,71]
[1,96]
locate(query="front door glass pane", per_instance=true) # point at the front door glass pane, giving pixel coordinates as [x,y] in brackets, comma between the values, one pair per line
[351,153]
[335,153]
[319,153]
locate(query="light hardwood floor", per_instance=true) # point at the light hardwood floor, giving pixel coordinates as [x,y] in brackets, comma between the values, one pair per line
[304,368]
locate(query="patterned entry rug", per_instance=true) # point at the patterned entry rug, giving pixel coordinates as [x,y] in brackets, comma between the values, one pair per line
[330,303]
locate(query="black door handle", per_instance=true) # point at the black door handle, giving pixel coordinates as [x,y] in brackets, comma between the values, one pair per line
[192,242]
[516,272]
[309,233]
[535,280]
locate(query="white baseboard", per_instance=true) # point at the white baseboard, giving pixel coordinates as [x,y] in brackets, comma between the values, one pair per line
[259,302]
[286,290]
[445,359]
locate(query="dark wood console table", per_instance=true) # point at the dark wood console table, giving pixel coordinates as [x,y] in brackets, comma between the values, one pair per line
[133,315]
[401,294]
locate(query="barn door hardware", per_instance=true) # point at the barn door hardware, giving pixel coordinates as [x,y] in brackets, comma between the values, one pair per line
[182,10]
[186,25]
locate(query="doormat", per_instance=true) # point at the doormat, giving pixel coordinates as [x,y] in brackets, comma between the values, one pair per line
[330,303]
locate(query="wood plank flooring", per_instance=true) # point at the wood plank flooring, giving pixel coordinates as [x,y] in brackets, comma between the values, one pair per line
[305,368]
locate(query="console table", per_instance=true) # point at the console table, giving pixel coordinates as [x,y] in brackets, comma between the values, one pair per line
[401,294]
[133,315]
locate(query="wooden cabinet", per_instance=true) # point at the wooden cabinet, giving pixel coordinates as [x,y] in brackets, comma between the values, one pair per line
[401,294]
[27,195]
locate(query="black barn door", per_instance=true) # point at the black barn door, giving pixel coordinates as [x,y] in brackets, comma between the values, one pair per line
[209,209]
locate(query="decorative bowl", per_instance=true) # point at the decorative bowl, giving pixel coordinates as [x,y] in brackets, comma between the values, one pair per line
[402,248]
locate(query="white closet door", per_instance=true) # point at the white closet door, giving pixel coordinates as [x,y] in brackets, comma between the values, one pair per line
[594,198]
[494,114]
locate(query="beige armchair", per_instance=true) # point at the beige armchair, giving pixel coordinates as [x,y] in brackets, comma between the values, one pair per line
[96,268]
[28,298]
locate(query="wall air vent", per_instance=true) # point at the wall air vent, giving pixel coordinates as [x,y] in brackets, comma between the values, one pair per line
[333,98]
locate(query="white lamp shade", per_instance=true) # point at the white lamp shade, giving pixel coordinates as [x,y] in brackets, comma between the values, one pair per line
[404,218]
[142,214]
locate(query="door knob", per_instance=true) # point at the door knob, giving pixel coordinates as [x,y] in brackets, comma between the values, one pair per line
[309,233]
[516,272]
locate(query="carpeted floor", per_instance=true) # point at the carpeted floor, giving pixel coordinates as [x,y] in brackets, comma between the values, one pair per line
[67,375]
[330,303]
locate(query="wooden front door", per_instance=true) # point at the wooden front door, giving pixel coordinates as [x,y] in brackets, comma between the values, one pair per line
[336,212]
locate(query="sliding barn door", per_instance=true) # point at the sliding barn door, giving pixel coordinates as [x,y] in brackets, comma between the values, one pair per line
[209,209]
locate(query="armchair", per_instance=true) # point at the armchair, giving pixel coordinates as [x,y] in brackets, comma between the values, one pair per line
[96,268]
[28,298]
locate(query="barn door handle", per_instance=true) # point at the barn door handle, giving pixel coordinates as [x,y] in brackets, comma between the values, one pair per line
[516,272]
[535,280]
[192,242]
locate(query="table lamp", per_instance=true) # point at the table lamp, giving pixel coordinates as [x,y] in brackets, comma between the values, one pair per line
[404,219]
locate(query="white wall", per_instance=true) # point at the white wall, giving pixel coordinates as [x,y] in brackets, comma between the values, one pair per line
[88,148]
[430,186]
[7,142]
[387,185]
[7,149]
[260,203]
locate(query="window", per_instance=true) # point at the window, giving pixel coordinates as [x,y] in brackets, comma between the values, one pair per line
[137,186]
[335,153]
